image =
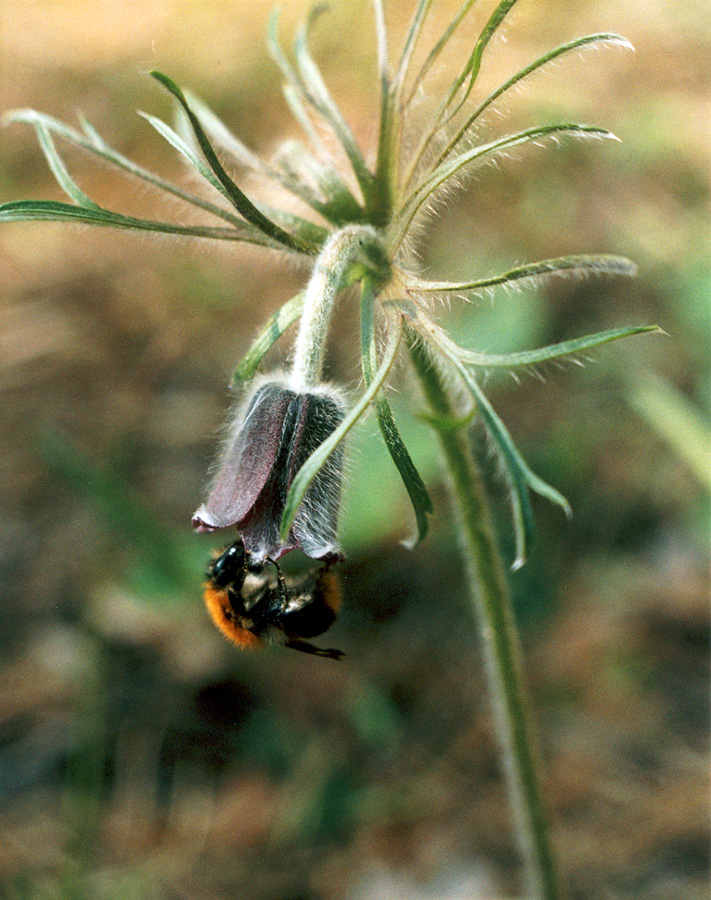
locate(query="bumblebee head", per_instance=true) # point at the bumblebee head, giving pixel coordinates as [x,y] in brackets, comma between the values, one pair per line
[230,567]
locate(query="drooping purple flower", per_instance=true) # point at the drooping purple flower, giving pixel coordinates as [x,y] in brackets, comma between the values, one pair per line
[273,434]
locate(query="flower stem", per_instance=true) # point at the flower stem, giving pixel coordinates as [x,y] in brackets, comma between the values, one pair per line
[351,245]
[490,595]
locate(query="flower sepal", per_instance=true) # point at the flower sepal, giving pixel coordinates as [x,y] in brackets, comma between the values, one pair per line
[275,430]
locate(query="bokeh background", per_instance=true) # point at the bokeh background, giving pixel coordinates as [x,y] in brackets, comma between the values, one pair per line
[143,757]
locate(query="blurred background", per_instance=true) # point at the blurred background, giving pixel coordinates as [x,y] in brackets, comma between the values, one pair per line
[140,755]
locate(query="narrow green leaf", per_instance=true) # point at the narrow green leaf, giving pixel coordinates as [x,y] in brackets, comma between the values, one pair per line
[282,61]
[59,170]
[381,35]
[238,198]
[519,475]
[388,123]
[223,137]
[175,141]
[413,33]
[53,211]
[274,328]
[295,100]
[299,93]
[419,496]
[337,204]
[92,142]
[437,49]
[600,264]
[317,185]
[424,325]
[677,421]
[478,154]
[471,70]
[307,472]
[447,112]
[554,351]
[577,44]
[318,95]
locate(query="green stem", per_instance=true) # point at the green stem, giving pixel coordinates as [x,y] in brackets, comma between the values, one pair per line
[345,256]
[490,595]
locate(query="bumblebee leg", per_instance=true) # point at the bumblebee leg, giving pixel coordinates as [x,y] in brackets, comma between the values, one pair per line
[305,647]
[281,583]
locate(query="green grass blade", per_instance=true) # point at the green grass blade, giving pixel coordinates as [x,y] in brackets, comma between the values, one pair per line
[684,428]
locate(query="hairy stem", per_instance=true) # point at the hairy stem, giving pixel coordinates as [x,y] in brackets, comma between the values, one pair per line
[351,246]
[490,595]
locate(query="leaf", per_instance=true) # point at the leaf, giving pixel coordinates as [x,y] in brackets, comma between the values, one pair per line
[174,139]
[318,95]
[601,264]
[674,419]
[520,477]
[452,166]
[413,33]
[307,472]
[388,124]
[439,336]
[275,327]
[381,35]
[419,496]
[92,142]
[59,170]
[239,199]
[577,44]
[437,49]
[220,133]
[468,75]
[53,211]
[471,70]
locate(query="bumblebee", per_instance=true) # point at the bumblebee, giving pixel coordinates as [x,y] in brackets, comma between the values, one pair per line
[253,607]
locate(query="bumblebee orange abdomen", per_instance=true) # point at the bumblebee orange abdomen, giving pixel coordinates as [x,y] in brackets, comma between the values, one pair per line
[218,605]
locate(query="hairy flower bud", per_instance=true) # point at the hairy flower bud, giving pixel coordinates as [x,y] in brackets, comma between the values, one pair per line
[274,432]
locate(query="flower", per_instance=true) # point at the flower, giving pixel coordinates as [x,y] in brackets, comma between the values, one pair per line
[348,227]
[274,432]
